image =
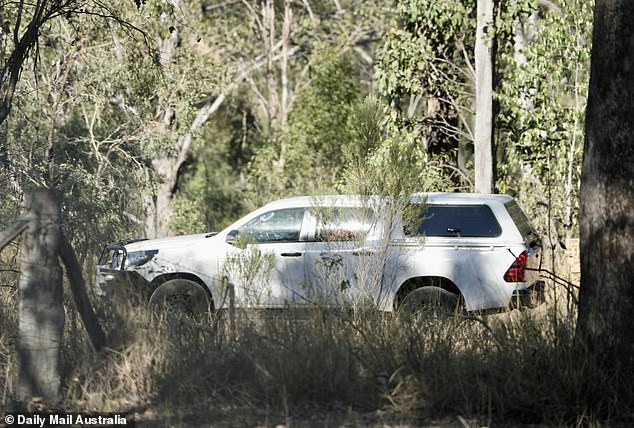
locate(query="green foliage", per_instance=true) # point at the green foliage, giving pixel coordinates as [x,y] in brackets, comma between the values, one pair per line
[424,71]
[297,153]
[188,216]
[542,115]
[309,154]
[209,201]
[146,88]
[369,128]
[382,160]
[90,116]
[540,103]
[211,184]
[320,121]
[422,51]
[58,137]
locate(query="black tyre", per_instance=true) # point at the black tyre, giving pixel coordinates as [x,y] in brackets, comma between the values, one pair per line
[430,302]
[181,296]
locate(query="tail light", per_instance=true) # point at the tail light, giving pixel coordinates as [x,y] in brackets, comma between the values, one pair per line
[517,271]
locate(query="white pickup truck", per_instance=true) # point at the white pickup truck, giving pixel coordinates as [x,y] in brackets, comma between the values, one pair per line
[473,249]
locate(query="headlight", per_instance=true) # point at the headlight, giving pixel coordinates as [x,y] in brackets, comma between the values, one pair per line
[139,258]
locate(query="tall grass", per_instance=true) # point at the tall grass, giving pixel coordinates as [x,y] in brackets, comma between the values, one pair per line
[519,367]
[8,322]
[515,367]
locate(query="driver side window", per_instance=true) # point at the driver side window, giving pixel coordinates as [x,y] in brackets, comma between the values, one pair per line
[275,226]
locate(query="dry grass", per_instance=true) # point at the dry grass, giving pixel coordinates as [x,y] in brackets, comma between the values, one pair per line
[8,322]
[519,367]
[320,367]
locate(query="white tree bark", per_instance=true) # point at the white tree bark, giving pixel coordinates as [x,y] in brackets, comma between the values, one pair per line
[483,137]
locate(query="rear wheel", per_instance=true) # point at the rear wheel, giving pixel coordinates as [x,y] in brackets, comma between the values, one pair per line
[433,302]
[181,296]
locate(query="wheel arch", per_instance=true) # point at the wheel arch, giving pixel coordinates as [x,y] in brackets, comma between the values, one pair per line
[162,279]
[414,283]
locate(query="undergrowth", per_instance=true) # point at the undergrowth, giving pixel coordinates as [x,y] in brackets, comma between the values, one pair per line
[520,367]
[515,367]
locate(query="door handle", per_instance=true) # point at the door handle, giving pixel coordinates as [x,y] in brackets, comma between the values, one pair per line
[291,254]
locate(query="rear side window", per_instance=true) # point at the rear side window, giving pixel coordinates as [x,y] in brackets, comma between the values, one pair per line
[476,221]
[522,222]
[343,223]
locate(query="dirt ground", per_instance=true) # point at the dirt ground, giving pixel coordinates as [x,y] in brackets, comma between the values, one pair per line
[260,418]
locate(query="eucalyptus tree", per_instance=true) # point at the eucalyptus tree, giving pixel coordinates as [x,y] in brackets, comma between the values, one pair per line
[275,57]
[483,127]
[35,140]
[21,29]
[425,72]
[19,35]
[606,300]
[542,106]
[539,53]
[65,131]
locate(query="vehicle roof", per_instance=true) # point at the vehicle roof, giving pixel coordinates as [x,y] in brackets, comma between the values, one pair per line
[465,198]
[430,198]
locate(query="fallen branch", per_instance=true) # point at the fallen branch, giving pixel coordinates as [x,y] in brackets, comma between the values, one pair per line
[12,232]
[78,287]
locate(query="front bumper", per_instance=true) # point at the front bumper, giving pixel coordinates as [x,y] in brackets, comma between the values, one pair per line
[529,297]
[113,282]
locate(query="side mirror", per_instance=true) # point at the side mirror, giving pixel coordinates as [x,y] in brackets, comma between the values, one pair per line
[232,237]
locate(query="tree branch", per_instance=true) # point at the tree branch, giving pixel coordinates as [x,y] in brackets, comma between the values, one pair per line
[12,232]
[78,287]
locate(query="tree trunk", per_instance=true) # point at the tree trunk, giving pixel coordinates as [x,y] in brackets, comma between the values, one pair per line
[160,212]
[606,300]
[166,167]
[268,23]
[286,36]
[483,136]
[41,300]
[159,204]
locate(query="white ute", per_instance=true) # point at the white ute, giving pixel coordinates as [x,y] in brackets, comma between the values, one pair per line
[449,248]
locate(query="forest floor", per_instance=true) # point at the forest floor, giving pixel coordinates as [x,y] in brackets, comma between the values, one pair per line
[250,417]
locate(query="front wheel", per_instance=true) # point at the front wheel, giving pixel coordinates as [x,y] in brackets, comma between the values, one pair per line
[181,296]
[430,302]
